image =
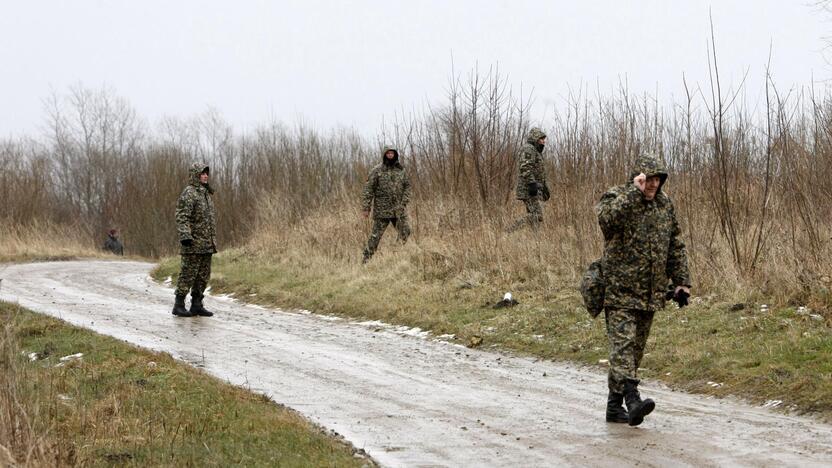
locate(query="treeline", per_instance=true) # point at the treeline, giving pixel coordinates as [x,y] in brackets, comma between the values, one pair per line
[752,182]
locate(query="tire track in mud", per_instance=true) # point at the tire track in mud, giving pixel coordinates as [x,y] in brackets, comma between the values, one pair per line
[411,401]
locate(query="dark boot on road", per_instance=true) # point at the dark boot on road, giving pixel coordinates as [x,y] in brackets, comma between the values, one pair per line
[197,308]
[637,408]
[179,307]
[615,408]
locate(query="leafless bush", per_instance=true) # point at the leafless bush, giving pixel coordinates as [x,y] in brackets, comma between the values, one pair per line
[752,189]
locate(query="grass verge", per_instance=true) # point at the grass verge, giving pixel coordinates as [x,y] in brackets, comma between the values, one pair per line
[43,242]
[712,347]
[122,405]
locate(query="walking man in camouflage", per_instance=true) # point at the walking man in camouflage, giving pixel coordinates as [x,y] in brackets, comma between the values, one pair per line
[197,226]
[643,253]
[387,192]
[531,180]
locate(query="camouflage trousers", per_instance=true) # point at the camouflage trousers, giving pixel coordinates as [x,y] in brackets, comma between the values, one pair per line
[194,274]
[379,225]
[627,331]
[533,217]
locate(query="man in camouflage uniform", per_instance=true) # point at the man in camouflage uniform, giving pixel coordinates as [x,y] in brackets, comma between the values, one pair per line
[387,192]
[531,180]
[643,253]
[197,226]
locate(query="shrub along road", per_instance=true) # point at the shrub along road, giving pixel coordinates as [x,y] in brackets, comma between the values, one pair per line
[411,400]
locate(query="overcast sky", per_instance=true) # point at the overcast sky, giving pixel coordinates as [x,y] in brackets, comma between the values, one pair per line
[351,63]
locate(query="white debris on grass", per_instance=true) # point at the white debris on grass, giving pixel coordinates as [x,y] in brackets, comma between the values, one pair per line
[400,330]
[63,397]
[715,384]
[603,361]
[447,336]
[32,356]
[417,332]
[772,403]
[226,297]
[168,280]
[71,357]
[507,297]
[372,324]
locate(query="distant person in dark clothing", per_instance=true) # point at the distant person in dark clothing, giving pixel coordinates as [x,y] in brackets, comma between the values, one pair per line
[113,244]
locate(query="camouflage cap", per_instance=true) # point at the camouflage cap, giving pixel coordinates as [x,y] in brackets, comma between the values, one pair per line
[534,135]
[650,164]
[195,170]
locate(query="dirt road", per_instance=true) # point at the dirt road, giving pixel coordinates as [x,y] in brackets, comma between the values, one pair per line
[410,400]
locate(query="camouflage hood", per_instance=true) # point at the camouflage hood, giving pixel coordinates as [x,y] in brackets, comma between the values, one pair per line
[193,175]
[651,165]
[395,161]
[534,135]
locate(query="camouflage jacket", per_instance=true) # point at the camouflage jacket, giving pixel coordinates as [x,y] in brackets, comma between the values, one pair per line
[195,215]
[388,189]
[643,249]
[530,164]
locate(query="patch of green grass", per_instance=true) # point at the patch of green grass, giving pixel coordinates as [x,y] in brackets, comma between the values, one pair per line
[758,355]
[122,405]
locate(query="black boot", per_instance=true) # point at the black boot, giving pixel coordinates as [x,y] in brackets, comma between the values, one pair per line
[636,408]
[197,308]
[615,408]
[179,307]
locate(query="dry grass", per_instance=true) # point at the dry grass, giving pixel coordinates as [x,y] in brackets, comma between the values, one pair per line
[121,405]
[21,440]
[44,241]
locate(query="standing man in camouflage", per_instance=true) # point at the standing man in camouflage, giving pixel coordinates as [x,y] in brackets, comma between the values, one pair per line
[387,192]
[196,222]
[531,180]
[643,253]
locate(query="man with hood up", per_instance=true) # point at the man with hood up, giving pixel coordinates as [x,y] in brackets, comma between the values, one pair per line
[531,179]
[113,244]
[197,225]
[387,192]
[643,253]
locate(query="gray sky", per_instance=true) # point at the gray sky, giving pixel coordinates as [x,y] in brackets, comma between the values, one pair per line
[352,63]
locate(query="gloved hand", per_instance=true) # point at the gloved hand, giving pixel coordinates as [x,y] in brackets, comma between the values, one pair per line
[533,188]
[680,297]
[187,242]
[544,193]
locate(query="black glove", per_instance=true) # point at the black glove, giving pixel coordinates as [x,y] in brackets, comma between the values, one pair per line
[532,189]
[187,242]
[680,297]
[544,193]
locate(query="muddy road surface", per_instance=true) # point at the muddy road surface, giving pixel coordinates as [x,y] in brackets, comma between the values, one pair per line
[411,400]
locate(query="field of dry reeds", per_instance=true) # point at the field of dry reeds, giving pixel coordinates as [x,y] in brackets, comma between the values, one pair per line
[752,183]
